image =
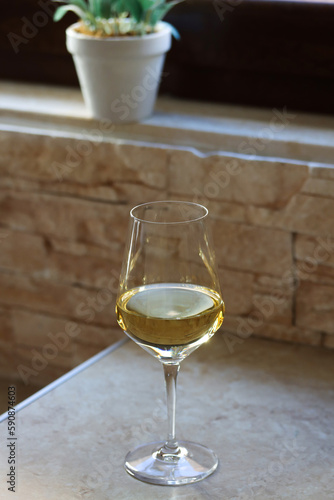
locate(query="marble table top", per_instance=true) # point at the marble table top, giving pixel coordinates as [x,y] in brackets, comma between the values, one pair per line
[267,409]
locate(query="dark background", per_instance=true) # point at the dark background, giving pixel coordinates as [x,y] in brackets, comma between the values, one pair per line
[269,53]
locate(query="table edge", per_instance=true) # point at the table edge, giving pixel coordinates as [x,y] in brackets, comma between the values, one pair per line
[67,376]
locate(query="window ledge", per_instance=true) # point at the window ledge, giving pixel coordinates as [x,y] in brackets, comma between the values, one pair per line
[204,128]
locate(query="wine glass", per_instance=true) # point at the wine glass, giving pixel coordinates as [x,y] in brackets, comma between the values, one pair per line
[169,302]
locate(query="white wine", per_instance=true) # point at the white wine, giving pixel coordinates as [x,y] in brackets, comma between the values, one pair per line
[169,243]
[170,314]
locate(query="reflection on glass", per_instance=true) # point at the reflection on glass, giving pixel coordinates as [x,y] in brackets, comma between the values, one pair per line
[169,302]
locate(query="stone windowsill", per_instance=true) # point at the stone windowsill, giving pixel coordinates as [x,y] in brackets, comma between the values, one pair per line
[201,127]
[65,205]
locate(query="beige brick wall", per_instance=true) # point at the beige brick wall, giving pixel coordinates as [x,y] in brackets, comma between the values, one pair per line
[62,233]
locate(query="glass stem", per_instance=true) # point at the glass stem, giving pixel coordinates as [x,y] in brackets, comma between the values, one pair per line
[171,372]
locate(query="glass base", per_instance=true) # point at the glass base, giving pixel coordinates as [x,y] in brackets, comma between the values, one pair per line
[154,463]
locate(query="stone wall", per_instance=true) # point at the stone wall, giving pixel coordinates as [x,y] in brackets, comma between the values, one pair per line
[64,207]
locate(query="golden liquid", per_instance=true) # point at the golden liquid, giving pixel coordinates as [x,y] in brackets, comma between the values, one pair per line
[170,314]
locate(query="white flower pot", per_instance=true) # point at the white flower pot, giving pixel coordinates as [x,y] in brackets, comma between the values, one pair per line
[119,76]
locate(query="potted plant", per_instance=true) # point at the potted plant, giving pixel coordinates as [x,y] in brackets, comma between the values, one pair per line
[119,48]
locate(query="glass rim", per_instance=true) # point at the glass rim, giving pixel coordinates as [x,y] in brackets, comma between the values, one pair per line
[189,203]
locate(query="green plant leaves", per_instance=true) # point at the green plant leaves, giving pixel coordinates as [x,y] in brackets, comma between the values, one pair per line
[145,14]
[160,10]
[106,8]
[148,4]
[61,11]
[94,7]
[133,7]
[79,3]
[101,8]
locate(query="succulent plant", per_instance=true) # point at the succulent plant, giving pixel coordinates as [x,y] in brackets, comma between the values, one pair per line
[117,17]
